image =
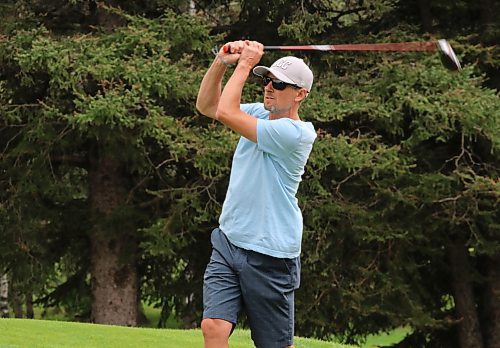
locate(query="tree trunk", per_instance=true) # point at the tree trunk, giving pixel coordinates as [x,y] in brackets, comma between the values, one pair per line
[142,319]
[4,296]
[425,15]
[30,314]
[114,276]
[492,303]
[17,305]
[465,306]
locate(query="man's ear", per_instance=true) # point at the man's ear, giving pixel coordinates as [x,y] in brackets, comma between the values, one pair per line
[302,95]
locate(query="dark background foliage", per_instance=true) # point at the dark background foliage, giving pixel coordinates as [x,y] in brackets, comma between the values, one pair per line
[400,197]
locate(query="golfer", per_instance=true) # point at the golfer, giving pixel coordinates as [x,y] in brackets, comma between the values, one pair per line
[255,263]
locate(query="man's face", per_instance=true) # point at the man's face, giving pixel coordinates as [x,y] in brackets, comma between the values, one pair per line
[279,101]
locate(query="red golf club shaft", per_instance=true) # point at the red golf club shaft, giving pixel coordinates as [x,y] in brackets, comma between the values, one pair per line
[447,55]
[398,47]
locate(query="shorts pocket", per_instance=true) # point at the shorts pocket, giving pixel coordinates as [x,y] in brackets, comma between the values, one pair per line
[283,271]
[293,268]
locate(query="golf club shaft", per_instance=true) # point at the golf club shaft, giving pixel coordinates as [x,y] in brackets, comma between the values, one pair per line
[442,46]
[397,47]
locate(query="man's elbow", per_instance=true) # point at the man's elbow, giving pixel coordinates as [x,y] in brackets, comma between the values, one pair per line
[204,109]
[199,106]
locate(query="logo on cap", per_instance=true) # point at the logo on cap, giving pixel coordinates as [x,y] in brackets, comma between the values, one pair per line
[282,63]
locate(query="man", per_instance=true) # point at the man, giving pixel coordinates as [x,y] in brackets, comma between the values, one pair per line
[255,251]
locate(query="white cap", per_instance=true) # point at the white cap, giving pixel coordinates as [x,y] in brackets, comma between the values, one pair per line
[291,70]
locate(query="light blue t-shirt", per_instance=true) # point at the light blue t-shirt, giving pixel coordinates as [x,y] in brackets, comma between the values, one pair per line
[261,212]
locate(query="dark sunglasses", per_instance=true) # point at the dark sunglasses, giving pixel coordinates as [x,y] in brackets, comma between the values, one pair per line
[277,84]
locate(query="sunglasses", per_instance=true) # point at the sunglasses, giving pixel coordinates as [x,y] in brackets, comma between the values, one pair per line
[277,84]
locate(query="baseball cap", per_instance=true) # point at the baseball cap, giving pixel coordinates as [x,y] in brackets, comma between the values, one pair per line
[291,70]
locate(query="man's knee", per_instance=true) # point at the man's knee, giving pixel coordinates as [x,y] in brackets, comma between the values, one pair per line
[216,328]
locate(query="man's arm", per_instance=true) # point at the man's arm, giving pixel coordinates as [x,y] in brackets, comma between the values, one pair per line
[228,109]
[211,85]
[210,89]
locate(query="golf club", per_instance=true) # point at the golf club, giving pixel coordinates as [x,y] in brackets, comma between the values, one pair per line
[447,55]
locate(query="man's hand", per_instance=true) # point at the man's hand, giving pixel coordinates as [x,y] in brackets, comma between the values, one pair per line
[246,52]
[251,54]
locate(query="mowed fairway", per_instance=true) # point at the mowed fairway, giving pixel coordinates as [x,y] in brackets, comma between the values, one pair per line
[49,333]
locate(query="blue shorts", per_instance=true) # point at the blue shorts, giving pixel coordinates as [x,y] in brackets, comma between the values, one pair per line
[262,285]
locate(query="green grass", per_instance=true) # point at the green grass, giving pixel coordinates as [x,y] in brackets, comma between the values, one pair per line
[153,315]
[386,339]
[241,338]
[372,341]
[51,333]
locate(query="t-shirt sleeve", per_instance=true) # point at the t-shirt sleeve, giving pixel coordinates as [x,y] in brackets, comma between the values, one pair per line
[248,109]
[278,137]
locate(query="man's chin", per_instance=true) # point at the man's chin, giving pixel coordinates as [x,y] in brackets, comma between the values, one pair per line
[270,108]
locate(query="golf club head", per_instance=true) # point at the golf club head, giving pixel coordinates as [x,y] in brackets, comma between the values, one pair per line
[448,57]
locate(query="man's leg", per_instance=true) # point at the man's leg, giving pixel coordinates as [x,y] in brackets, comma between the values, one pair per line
[268,286]
[221,292]
[216,332]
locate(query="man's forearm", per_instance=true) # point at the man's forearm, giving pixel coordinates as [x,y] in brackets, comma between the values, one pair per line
[230,99]
[229,112]
[210,89]
[225,106]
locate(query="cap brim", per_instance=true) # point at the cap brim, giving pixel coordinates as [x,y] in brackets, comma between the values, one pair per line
[263,70]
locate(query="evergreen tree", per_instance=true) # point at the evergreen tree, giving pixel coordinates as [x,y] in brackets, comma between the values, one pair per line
[105,163]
